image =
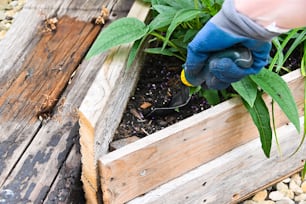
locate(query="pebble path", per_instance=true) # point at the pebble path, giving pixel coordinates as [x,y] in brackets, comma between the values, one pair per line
[290,191]
[8,11]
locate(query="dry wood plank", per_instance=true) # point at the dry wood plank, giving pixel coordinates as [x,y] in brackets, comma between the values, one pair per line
[67,187]
[234,176]
[47,144]
[106,91]
[141,166]
[45,73]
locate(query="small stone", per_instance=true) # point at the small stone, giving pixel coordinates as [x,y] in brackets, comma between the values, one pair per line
[295,187]
[276,196]
[2,15]
[266,202]
[14,3]
[301,197]
[285,201]
[303,186]
[260,196]
[249,202]
[288,193]
[287,180]
[302,202]
[282,187]
[2,34]
[297,178]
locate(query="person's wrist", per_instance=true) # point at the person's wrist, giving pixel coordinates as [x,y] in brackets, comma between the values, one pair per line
[234,22]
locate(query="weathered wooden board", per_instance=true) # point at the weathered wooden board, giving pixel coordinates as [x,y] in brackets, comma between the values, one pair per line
[67,187]
[33,151]
[234,176]
[141,166]
[111,88]
[44,75]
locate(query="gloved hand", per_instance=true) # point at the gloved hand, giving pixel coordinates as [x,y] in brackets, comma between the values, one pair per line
[226,29]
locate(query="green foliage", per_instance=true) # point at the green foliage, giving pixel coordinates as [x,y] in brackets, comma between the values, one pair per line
[277,88]
[247,89]
[250,89]
[260,115]
[175,23]
[123,31]
[285,45]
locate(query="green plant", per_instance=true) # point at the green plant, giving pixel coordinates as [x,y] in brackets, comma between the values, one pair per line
[174,24]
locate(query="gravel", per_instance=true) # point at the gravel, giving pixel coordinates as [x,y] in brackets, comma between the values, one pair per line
[8,11]
[289,191]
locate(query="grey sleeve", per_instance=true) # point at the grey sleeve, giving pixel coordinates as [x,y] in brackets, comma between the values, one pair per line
[230,20]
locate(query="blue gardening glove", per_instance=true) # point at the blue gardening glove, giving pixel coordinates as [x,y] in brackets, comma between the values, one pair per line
[224,30]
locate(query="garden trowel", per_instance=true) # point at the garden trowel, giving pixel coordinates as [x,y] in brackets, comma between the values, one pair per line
[240,55]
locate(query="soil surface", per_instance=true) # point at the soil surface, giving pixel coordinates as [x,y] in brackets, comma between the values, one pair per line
[159,82]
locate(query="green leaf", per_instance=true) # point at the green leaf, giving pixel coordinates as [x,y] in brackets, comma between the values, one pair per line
[161,20]
[260,115]
[189,35]
[276,87]
[304,171]
[133,52]
[124,30]
[247,89]
[211,96]
[183,15]
[159,51]
[162,9]
[179,4]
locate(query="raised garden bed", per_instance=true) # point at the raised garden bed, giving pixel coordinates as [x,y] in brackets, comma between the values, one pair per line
[202,139]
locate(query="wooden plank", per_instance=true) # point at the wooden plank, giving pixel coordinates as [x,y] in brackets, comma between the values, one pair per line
[47,143]
[44,75]
[67,187]
[234,176]
[106,91]
[141,166]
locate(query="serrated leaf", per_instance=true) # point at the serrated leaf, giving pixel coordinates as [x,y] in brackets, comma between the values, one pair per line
[276,87]
[124,30]
[247,89]
[261,118]
[183,15]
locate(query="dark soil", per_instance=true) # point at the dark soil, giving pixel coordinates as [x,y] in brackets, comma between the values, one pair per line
[159,81]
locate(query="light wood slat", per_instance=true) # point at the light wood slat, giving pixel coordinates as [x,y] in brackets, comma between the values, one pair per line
[111,88]
[156,159]
[234,176]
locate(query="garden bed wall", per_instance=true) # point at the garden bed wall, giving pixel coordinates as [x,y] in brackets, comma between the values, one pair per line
[101,110]
[160,157]
[163,156]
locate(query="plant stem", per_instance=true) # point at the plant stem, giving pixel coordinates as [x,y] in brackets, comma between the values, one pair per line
[196,6]
[171,44]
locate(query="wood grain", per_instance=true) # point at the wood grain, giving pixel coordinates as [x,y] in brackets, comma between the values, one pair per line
[111,88]
[33,151]
[44,75]
[156,159]
[235,175]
